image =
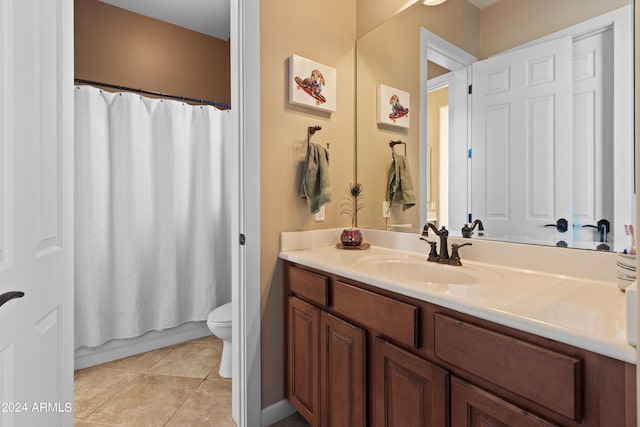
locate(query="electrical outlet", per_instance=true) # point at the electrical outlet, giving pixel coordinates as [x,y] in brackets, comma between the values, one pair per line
[320,215]
[386,211]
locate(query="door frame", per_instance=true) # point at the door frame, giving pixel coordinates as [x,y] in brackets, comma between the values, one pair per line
[245,264]
[438,50]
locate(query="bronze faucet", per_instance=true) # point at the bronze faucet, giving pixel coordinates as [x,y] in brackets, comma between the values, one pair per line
[467,230]
[443,258]
[443,233]
[455,257]
[433,253]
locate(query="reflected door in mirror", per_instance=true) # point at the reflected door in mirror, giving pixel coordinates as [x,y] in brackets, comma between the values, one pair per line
[522,175]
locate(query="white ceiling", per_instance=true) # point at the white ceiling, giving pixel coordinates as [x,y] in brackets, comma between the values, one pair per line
[204,16]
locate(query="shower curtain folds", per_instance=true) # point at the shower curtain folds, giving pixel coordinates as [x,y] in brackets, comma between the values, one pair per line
[152,239]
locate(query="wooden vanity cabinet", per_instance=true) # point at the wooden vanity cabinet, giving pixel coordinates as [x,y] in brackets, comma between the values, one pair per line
[407,390]
[474,407]
[326,363]
[303,359]
[357,355]
[509,362]
[342,373]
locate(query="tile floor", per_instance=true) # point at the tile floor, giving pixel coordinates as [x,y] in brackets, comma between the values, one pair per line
[172,386]
[294,420]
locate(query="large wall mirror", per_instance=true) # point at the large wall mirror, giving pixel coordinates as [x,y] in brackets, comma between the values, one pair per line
[520,114]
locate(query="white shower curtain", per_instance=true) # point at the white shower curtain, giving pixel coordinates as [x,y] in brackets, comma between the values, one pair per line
[152,217]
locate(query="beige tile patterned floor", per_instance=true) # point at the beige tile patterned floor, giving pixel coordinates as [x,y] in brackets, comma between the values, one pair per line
[173,386]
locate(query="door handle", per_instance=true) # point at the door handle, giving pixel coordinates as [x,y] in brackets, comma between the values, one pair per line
[8,296]
[562,225]
[603,228]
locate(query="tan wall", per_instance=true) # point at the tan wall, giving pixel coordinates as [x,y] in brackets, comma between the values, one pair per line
[113,45]
[372,13]
[507,24]
[390,55]
[286,29]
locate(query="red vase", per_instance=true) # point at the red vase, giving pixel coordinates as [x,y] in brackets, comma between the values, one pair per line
[351,237]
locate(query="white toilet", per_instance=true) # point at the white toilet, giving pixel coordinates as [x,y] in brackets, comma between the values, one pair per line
[219,323]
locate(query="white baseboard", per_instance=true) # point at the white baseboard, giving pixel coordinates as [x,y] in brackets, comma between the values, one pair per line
[117,349]
[276,412]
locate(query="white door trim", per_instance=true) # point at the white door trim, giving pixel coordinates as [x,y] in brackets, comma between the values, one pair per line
[245,108]
[435,49]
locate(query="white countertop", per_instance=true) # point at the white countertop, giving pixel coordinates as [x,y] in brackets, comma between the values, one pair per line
[585,313]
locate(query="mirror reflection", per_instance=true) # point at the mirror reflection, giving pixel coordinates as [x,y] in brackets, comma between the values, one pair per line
[542,149]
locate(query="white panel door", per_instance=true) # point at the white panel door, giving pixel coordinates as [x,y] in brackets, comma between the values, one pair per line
[36,212]
[521,165]
[593,174]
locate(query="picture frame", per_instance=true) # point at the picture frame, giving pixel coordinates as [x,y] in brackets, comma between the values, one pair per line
[312,84]
[393,106]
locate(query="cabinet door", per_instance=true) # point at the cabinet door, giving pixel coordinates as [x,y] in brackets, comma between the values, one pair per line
[471,406]
[342,373]
[303,387]
[407,390]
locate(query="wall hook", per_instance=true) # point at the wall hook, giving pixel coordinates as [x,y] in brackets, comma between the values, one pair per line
[394,143]
[310,131]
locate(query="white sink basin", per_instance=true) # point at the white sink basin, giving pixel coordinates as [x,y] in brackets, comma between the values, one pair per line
[420,270]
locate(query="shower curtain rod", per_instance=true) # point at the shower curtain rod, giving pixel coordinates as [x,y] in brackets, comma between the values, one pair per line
[148,92]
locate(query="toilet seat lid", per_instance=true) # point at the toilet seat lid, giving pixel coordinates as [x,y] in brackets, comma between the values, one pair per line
[221,314]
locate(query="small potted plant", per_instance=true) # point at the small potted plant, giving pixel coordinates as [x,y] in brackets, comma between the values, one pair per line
[352,237]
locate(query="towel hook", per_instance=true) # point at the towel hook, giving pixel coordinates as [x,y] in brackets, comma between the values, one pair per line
[312,130]
[394,143]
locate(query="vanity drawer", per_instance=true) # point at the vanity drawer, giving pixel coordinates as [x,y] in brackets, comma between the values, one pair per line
[311,286]
[551,379]
[396,320]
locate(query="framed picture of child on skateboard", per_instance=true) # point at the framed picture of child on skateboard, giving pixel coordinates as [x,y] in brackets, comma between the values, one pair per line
[393,106]
[312,84]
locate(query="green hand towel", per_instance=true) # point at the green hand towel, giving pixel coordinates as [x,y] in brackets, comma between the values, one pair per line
[315,178]
[400,189]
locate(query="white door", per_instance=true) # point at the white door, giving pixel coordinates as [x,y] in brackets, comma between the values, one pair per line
[522,168]
[36,212]
[593,155]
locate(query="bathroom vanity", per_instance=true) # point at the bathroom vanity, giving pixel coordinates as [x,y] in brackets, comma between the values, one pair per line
[370,339]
